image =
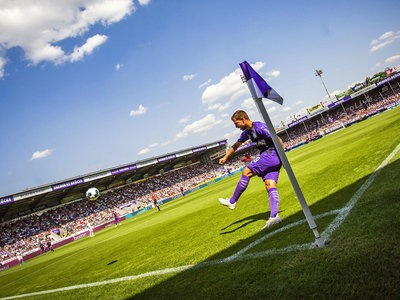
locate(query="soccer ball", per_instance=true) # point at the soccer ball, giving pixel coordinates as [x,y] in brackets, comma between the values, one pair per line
[92,194]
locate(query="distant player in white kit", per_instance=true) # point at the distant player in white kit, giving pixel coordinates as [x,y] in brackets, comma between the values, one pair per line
[266,166]
[90,228]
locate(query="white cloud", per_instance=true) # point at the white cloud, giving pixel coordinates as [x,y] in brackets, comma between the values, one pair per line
[147,149]
[41,154]
[248,104]
[232,136]
[386,35]
[140,111]
[230,86]
[227,123]
[392,59]
[38,26]
[143,2]
[379,46]
[298,102]
[221,95]
[188,77]
[273,74]
[144,151]
[2,64]
[184,119]
[206,83]
[153,145]
[88,47]
[165,143]
[201,126]
[118,67]
[219,106]
[225,87]
[385,39]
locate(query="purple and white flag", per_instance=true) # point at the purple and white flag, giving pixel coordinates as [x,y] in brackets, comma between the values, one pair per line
[259,88]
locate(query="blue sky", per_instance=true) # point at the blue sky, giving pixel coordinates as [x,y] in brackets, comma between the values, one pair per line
[90,85]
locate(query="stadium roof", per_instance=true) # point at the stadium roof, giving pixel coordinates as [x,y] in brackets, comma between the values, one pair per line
[65,191]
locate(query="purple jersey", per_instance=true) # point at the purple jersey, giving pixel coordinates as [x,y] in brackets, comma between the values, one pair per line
[267,165]
[259,135]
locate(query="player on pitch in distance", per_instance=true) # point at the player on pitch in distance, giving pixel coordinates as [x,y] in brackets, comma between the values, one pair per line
[267,165]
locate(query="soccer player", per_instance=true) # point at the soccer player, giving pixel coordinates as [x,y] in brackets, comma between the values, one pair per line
[90,228]
[20,257]
[154,199]
[49,245]
[116,218]
[266,166]
[42,247]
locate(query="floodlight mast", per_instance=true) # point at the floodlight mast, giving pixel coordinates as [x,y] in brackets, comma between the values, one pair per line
[319,73]
[320,242]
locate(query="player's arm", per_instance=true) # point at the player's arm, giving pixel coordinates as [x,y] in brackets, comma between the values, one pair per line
[282,144]
[230,151]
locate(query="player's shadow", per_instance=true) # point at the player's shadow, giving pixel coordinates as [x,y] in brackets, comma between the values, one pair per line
[243,222]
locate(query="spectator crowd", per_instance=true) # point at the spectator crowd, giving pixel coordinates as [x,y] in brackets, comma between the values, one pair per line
[340,117]
[42,228]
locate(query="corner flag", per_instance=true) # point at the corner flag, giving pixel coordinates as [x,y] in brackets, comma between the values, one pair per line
[259,88]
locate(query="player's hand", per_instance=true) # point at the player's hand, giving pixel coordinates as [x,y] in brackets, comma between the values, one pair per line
[222,160]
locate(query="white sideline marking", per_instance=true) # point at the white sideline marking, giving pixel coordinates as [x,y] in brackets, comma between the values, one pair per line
[353,200]
[341,216]
[87,285]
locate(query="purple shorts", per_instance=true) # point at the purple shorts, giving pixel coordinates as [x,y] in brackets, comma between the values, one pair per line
[266,166]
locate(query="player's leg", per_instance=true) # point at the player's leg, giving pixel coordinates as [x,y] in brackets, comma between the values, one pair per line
[273,197]
[240,188]
[269,168]
[242,184]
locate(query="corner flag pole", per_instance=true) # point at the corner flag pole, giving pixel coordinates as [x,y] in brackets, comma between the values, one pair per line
[281,153]
[259,89]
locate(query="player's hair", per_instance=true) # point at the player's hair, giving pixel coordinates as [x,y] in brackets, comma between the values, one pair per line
[240,114]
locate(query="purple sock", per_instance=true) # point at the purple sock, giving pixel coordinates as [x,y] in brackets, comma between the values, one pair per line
[240,187]
[273,201]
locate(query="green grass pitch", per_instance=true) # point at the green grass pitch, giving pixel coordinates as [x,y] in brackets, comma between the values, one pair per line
[180,252]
